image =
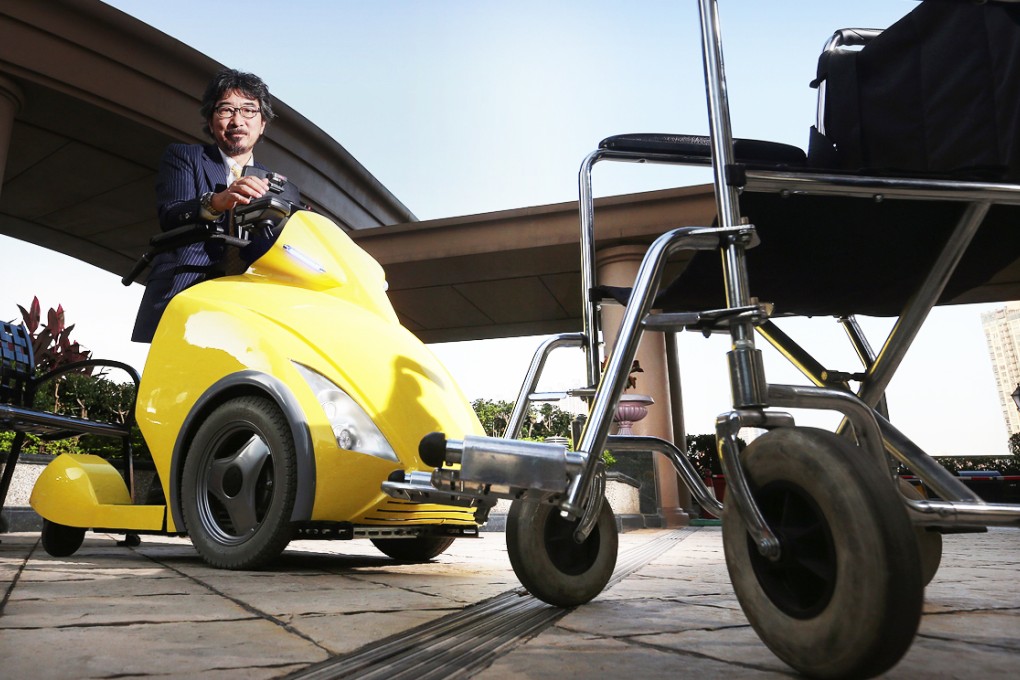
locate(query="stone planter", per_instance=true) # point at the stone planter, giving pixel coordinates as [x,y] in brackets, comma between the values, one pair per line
[623,494]
[630,409]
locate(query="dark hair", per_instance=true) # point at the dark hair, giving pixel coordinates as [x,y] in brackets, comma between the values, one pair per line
[249,84]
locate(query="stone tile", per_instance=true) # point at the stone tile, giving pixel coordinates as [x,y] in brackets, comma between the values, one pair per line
[159,609]
[940,659]
[27,612]
[251,648]
[997,629]
[735,644]
[616,618]
[345,632]
[565,656]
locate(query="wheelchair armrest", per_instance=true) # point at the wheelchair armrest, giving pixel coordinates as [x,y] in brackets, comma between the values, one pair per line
[175,238]
[183,236]
[77,366]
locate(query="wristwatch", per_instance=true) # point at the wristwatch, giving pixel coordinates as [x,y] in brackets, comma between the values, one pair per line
[207,205]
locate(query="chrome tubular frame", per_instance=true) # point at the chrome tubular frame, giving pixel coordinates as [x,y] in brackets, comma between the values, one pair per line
[614,379]
[506,469]
[832,391]
[527,393]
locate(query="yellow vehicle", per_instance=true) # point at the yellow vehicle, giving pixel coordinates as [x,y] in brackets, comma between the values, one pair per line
[275,400]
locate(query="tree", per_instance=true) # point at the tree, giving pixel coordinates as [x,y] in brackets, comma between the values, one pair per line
[702,452]
[88,396]
[540,422]
[1014,443]
[494,415]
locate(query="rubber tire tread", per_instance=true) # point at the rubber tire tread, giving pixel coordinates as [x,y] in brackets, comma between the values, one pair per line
[875,608]
[419,549]
[531,561]
[275,532]
[60,540]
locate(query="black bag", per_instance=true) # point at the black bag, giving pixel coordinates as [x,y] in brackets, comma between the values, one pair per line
[936,94]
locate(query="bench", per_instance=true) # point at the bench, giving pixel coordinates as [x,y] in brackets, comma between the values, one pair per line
[18,388]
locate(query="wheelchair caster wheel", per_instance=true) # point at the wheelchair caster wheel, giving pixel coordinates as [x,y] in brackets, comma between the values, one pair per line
[550,563]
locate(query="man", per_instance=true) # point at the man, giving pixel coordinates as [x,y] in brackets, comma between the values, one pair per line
[203,183]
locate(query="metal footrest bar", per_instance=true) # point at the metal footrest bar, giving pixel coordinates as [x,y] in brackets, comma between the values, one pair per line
[962,513]
[707,322]
[927,469]
[681,464]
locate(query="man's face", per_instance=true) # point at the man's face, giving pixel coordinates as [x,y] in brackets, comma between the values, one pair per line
[235,134]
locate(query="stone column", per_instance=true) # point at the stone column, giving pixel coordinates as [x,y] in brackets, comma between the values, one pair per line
[10,102]
[617,266]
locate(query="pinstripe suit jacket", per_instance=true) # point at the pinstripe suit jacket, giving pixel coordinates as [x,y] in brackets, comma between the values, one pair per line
[186,171]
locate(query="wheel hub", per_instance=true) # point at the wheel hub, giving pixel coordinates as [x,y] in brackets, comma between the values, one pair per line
[238,487]
[801,582]
[569,556]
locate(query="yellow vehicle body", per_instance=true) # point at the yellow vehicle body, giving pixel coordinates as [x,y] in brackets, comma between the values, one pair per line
[85,490]
[313,305]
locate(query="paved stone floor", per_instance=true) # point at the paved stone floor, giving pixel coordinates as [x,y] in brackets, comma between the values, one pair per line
[158,611]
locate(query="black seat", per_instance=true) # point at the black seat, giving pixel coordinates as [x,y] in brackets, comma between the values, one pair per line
[696,149]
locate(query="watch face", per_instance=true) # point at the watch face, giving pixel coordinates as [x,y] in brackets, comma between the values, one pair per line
[207,203]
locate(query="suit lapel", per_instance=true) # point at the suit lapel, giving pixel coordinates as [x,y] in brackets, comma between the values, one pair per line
[212,166]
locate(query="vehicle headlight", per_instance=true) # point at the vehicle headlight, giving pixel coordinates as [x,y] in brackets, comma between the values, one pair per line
[352,427]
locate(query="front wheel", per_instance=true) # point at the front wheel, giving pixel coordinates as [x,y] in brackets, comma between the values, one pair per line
[59,540]
[240,484]
[418,549]
[550,563]
[844,598]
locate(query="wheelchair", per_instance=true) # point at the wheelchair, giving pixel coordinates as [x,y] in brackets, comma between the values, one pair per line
[828,555]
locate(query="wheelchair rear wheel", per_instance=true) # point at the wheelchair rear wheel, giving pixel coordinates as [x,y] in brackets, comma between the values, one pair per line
[844,598]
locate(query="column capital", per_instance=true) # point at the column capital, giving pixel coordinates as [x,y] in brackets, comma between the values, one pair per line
[611,255]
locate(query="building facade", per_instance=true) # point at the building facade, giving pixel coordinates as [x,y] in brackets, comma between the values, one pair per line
[1002,333]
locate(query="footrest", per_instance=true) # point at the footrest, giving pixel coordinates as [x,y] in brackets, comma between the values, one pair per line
[709,321]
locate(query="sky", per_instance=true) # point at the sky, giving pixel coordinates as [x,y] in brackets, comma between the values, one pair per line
[463,107]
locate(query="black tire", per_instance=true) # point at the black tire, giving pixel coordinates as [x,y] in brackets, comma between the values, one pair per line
[929,543]
[59,540]
[550,564]
[239,484]
[844,600]
[130,541]
[420,549]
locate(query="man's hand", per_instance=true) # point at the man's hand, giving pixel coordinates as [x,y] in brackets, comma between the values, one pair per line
[242,191]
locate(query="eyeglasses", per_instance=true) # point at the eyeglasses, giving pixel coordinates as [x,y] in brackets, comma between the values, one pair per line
[224,111]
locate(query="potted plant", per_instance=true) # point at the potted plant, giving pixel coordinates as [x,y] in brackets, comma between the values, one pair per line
[632,407]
